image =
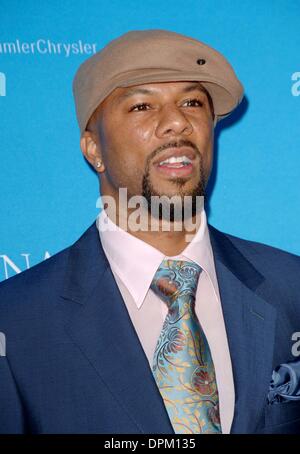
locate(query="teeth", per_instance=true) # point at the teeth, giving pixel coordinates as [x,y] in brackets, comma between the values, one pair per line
[173,160]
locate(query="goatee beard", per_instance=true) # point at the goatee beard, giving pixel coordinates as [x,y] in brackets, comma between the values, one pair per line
[182,207]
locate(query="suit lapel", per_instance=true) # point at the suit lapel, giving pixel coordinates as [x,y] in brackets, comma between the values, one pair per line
[98,322]
[250,325]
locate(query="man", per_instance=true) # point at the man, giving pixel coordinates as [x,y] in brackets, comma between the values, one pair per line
[153,321]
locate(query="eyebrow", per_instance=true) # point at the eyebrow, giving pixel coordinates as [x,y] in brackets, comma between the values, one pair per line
[145,91]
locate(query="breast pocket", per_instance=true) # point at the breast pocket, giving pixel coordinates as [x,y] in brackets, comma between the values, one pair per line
[282,413]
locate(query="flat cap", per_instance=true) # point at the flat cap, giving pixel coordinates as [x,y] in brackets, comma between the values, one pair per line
[149,56]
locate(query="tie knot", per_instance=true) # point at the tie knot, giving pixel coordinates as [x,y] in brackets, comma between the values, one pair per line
[174,279]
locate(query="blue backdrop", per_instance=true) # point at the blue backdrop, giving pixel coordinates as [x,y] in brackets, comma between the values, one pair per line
[48,192]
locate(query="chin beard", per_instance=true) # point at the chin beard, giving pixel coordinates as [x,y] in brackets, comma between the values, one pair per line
[163,207]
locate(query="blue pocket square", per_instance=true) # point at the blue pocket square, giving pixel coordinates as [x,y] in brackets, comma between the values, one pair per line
[285,383]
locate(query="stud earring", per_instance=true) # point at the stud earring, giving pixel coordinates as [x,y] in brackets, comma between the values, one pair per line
[98,164]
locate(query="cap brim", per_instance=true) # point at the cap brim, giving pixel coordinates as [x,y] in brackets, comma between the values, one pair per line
[225,98]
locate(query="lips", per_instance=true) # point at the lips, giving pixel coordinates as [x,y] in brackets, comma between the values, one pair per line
[176,169]
[176,152]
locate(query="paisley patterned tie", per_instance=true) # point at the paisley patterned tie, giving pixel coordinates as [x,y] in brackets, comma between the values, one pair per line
[182,366]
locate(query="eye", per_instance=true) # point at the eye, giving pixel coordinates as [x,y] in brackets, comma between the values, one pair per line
[194,102]
[138,107]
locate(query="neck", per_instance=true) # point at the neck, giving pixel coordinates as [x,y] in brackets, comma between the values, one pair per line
[169,243]
[171,238]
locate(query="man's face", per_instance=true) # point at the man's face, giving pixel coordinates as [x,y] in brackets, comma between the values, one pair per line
[138,128]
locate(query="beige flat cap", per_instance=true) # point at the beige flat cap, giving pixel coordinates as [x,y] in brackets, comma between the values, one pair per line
[149,56]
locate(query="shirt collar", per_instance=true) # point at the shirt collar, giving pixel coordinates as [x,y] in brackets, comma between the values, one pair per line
[135,262]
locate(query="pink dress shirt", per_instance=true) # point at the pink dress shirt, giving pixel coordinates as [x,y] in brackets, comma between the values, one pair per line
[134,263]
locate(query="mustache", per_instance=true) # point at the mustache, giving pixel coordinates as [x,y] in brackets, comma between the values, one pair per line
[174,144]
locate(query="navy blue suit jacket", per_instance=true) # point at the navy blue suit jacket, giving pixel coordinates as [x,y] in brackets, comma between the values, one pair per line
[74,363]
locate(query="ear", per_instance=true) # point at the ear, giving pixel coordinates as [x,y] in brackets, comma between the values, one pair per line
[91,150]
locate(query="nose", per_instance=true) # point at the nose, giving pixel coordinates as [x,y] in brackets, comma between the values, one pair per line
[172,122]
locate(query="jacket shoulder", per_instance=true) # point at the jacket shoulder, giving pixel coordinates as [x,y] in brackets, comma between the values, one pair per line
[37,279]
[269,260]
[41,281]
[253,247]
